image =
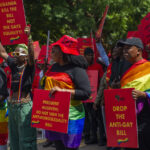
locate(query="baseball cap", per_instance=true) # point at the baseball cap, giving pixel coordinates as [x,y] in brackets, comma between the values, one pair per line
[68,45]
[132,41]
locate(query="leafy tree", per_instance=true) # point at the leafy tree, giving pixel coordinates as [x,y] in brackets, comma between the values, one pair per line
[78,17]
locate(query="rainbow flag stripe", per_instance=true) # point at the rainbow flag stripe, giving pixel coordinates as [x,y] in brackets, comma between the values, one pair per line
[76,111]
[14,38]
[20,85]
[137,74]
[119,141]
[35,122]
[3,127]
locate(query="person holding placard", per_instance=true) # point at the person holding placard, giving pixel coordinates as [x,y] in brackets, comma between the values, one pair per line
[68,74]
[22,135]
[138,77]
[92,116]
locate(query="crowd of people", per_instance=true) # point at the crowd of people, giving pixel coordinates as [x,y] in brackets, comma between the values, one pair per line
[126,68]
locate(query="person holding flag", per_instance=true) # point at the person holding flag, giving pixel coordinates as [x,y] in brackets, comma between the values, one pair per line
[138,77]
[68,74]
[22,135]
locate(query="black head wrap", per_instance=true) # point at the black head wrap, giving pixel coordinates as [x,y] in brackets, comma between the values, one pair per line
[88,50]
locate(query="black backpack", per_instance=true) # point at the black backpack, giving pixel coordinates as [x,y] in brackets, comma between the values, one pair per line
[3,84]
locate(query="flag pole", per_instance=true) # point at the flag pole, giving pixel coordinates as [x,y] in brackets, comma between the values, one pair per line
[47,48]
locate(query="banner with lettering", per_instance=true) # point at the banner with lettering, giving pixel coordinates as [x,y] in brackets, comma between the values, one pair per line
[84,43]
[12,22]
[121,124]
[93,78]
[51,113]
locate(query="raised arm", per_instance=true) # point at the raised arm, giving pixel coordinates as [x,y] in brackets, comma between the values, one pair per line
[30,46]
[3,52]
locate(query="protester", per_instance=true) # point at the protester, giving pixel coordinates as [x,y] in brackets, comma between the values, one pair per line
[115,70]
[91,125]
[119,66]
[39,73]
[69,74]
[40,69]
[99,105]
[99,101]
[89,55]
[22,136]
[138,77]
[3,110]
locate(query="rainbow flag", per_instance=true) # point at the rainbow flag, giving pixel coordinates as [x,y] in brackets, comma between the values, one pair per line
[14,38]
[3,126]
[35,122]
[122,141]
[138,76]
[76,111]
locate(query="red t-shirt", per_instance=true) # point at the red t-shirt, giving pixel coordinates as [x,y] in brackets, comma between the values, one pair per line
[98,67]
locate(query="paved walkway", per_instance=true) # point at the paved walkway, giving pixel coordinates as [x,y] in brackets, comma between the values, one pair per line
[82,146]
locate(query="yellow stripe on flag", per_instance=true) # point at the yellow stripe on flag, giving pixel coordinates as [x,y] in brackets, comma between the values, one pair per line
[2,116]
[135,73]
[141,84]
[3,127]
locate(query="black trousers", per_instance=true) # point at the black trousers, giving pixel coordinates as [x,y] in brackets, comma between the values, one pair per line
[101,127]
[144,139]
[60,146]
[90,125]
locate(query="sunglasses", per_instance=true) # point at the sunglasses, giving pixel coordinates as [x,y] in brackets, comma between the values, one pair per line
[18,54]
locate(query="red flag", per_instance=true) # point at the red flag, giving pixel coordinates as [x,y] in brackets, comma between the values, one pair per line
[99,31]
[42,55]
[42,52]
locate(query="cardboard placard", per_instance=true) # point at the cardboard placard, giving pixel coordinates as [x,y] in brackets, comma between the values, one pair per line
[51,113]
[93,78]
[12,22]
[121,124]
